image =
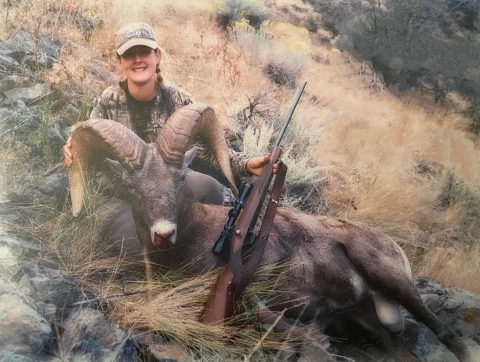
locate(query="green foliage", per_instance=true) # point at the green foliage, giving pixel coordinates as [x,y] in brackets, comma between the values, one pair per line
[298,145]
[425,44]
[45,143]
[456,192]
[256,142]
[232,11]
[282,57]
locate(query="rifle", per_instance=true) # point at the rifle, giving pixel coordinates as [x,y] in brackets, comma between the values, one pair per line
[235,276]
[233,214]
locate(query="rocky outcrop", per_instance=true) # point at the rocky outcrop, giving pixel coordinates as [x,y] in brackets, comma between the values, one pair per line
[39,303]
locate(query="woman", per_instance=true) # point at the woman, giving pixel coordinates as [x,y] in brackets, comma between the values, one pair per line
[144,101]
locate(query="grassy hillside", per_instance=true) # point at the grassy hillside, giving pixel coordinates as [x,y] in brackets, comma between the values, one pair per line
[402,163]
[391,155]
[386,159]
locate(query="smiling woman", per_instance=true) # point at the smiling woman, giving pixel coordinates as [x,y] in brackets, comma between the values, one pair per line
[139,58]
[143,102]
[139,64]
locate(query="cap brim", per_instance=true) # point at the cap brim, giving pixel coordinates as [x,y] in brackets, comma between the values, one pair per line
[136,41]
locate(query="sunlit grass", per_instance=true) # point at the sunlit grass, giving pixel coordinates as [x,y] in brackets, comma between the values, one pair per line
[453,265]
[370,142]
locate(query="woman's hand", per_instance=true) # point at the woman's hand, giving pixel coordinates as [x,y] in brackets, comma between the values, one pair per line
[67,152]
[255,165]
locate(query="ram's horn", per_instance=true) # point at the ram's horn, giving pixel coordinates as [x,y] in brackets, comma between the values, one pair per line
[184,127]
[97,139]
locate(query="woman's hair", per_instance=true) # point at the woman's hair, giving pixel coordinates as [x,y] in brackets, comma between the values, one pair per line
[159,51]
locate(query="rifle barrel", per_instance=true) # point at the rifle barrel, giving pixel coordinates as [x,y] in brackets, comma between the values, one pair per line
[289,116]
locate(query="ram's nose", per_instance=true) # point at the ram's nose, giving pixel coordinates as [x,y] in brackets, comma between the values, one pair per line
[163,234]
[163,241]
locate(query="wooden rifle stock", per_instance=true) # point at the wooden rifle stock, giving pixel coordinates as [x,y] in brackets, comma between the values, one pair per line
[220,304]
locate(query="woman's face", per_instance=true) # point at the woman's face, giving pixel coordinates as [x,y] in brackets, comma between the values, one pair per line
[139,64]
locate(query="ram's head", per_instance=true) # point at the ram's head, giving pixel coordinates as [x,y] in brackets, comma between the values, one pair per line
[155,172]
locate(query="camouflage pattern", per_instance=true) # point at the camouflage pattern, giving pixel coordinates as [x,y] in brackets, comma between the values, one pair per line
[147,118]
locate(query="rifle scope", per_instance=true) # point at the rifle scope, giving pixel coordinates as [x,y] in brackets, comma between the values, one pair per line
[227,231]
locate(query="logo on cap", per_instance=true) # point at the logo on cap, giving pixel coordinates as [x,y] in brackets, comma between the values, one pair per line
[134,33]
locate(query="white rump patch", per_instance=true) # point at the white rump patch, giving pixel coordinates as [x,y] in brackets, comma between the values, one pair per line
[388,313]
[359,284]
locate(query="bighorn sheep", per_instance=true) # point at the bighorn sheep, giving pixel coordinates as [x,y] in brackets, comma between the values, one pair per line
[342,267]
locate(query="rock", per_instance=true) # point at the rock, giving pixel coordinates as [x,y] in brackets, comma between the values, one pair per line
[24,331]
[49,286]
[8,63]
[6,113]
[88,336]
[24,247]
[47,311]
[13,81]
[458,309]
[55,184]
[8,262]
[169,353]
[38,52]
[30,94]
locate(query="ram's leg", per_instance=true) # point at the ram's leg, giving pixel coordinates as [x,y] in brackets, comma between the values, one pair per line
[413,302]
[397,285]
[369,324]
[310,340]
[385,267]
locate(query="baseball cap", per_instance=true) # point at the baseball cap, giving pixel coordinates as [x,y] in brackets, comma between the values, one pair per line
[135,34]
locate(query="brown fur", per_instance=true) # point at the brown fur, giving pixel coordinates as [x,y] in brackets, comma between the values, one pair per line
[338,265]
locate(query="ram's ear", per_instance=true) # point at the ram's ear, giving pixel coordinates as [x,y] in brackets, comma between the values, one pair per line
[189,156]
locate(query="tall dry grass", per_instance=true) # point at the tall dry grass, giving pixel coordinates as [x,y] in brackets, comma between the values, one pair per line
[369,143]
[374,146]
[453,265]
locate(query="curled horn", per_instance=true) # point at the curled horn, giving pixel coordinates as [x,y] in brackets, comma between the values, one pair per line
[105,138]
[196,120]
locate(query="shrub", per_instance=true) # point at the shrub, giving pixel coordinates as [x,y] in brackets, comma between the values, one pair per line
[232,11]
[281,50]
[258,131]
[454,191]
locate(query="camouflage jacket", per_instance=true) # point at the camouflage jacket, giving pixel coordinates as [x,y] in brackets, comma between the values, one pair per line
[147,118]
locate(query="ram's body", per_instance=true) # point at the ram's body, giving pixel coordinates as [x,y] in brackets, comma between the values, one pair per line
[341,267]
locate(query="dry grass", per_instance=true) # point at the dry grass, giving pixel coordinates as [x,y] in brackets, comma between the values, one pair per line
[170,304]
[373,145]
[13,168]
[453,265]
[369,140]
